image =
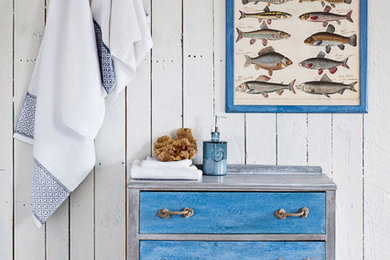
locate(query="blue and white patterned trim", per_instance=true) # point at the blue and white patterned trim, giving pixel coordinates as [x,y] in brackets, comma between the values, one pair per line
[26,121]
[106,65]
[47,193]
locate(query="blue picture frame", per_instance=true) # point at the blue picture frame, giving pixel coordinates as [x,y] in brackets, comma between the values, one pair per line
[231,108]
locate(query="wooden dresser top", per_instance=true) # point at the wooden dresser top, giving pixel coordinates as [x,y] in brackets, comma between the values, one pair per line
[248,178]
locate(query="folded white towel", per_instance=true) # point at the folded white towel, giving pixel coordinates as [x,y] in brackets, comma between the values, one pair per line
[151,162]
[184,173]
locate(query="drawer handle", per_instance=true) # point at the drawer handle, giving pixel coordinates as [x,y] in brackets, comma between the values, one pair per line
[165,213]
[282,214]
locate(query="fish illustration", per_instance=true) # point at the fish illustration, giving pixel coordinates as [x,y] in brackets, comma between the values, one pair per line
[262,86]
[331,2]
[266,15]
[329,38]
[275,2]
[269,60]
[325,17]
[264,34]
[321,63]
[325,87]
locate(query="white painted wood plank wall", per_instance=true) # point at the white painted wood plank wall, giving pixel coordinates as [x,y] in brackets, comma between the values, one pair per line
[376,143]
[6,143]
[29,19]
[181,83]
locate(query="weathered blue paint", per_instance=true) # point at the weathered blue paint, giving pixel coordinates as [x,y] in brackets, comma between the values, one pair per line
[231,108]
[232,212]
[197,250]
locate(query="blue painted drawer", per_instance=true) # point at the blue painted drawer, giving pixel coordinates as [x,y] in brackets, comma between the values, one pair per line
[232,212]
[198,250]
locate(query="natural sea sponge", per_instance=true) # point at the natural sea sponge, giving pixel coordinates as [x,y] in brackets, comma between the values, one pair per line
[183,147]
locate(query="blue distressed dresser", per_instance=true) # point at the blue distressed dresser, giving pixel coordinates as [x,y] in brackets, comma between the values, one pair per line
[254,212]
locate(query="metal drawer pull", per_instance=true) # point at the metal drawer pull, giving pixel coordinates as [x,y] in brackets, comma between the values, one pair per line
[165,213]
[282,214]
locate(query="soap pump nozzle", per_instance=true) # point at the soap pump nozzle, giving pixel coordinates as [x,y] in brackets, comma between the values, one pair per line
[215,130]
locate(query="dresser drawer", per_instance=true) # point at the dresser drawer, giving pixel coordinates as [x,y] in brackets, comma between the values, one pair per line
[199,250]
[232,212]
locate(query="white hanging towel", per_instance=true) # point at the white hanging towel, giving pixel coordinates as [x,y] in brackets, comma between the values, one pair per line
[65,104]
[123,39]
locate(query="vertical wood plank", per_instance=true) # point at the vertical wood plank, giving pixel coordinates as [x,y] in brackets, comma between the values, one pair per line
[110,182]
[347,167]
[138,131]
[29,27]
[376,138]
[166,67]
[139,108]
[232,128]
[6,128]
[319,140]
[82,220]
[198,69]
[292,139]
[57,227]
[261,139]
[57,234]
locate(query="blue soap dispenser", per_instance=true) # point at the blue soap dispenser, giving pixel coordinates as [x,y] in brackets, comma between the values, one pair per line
[215,153]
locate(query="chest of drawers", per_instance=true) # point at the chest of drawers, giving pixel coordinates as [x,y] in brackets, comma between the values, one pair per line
[262,213]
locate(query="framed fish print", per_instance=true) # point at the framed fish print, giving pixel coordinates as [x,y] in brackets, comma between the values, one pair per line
[296,56]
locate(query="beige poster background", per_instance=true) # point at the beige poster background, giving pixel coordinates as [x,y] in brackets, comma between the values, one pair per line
[296,50]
